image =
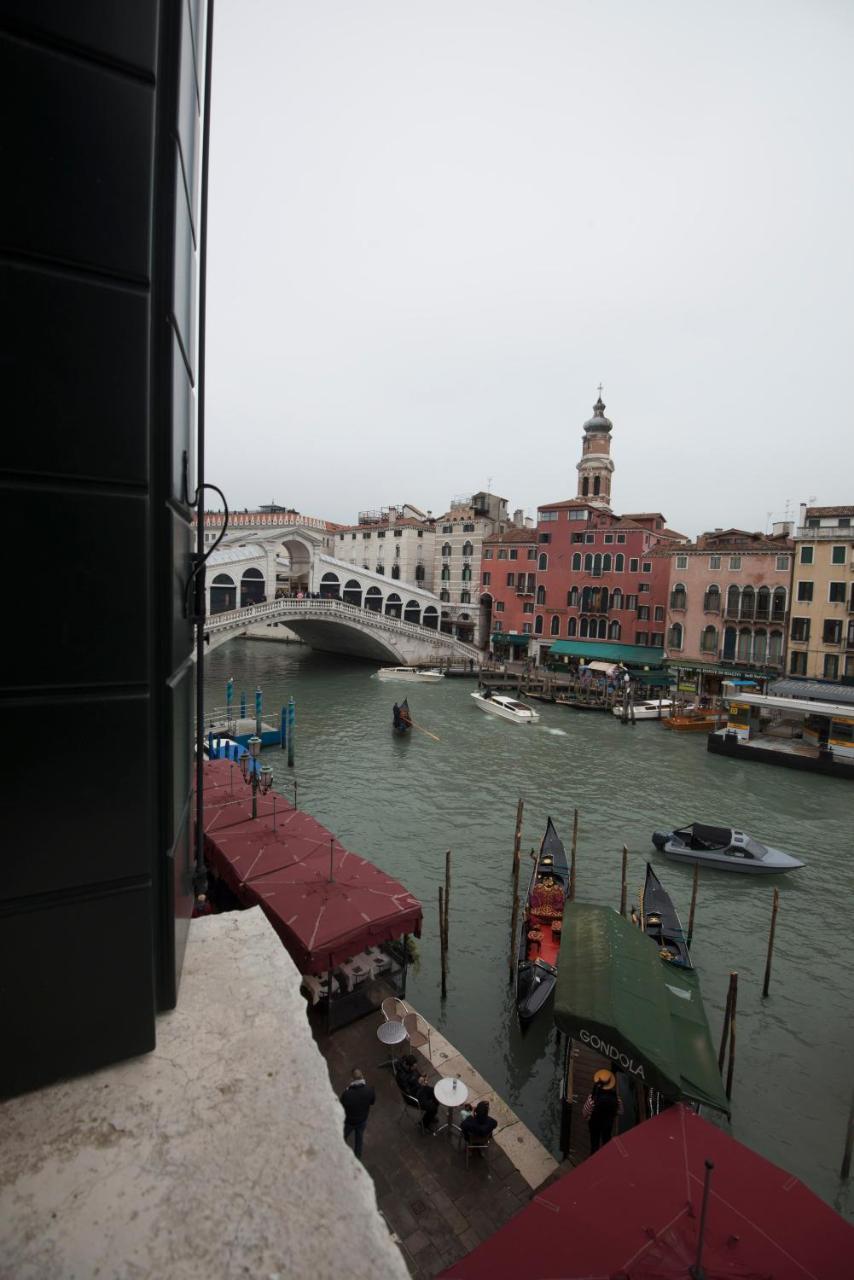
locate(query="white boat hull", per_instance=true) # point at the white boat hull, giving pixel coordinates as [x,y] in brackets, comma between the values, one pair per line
[410,675]
[496,706]
[648,711]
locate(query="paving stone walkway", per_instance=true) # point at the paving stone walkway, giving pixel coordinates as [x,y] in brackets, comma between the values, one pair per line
[436,1208]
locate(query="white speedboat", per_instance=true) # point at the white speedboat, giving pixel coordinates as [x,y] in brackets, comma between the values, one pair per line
[499,704]
[409,673]
[655,709]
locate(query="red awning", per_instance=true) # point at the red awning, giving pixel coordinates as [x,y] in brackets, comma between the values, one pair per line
[632,1211]
[325,903]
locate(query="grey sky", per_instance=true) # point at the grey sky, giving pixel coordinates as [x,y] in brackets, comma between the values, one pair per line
[435,227]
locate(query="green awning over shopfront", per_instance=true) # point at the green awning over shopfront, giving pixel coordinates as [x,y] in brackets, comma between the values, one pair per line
[656,679]
[631,655]
[506,637]
[615,995]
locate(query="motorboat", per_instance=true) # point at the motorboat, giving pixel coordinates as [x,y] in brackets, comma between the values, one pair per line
[723,847]
[410,673]
[653,709]
[660,921]
[499,704]
[539,940]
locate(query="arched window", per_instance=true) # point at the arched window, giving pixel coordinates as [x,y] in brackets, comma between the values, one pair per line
[538,625]
[444,595]
[597,565]
[674,638]
[596,485]
[775,646]
[617,599]
[763,604]
[603,628]
[678,596]
[709,639]
[395,570]
[748,602]
[619,562]
[778,604]
[572,597]
[606,562]
[353,592]
[576,562]
[419,573]
[380,567]
[431,617]
[732,598]
[588,563]
[446,573]
[582,628]
[446,549]
[393,605]
[465,597]
[412,611]
[760,645]
[572,626]
[468,549]
[223,593]
[330,585]
[614,630]
[585,487]
[743,651]
[712,599]
[603,600]
[466,574]
[251,587]
[543,562]
[374,599]
[555,625]
[541,595]
[729,641]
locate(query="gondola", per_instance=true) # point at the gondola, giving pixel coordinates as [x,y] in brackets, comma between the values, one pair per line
[539,940]
[660,922]
[401,718]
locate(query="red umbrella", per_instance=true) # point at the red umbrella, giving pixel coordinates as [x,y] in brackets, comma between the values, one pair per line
[633,1212]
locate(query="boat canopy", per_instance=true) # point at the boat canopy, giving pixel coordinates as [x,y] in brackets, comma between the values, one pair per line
[617,996]
[703,837]
[325,903]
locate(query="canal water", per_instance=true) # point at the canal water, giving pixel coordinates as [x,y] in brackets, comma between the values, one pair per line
[403,801]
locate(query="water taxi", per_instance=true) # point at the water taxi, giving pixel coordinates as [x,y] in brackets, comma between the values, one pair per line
[654,709]
[723,847]
[409,673]
[499,704]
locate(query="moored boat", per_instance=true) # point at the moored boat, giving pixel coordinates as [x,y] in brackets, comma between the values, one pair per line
[652,709]
[499,704]
[401,721]
[723,847]
[660,921]
[409,673]
[693,721]
[539,939]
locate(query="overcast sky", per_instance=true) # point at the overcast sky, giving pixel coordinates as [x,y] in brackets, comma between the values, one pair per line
[435,227]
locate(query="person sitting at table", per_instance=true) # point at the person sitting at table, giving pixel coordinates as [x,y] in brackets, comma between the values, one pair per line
[479,1127]
[413,1084]
[407,1074]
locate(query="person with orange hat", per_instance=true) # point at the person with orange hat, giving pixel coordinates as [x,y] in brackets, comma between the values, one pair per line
[601,1109]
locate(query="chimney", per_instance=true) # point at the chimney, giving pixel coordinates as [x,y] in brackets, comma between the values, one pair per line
[519,518]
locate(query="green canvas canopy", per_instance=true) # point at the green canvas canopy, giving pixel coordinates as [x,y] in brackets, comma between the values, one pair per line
[632,655]
[617,996]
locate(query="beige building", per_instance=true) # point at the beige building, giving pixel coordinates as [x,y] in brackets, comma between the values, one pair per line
[396,542]
[821,631]
[457,555]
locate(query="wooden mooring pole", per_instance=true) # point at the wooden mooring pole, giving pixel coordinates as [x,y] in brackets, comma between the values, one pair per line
[774,908]
[517,838]
[443,943]
[447,902]
[693,910]
[623,885]
[845,1171]
[725,1031]
[572,855]
[514,917]
[731,1063]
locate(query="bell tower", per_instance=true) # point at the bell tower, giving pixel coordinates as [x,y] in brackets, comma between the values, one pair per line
[596,466]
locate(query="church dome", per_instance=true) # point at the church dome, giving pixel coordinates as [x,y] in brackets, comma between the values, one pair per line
[598,423]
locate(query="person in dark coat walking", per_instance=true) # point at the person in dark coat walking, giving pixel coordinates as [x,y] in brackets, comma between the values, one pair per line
[357,1100]
[602,1108]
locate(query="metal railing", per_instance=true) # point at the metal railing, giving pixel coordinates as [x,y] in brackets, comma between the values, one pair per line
[836,533]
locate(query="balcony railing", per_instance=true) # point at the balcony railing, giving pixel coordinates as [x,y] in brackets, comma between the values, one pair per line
[836,533]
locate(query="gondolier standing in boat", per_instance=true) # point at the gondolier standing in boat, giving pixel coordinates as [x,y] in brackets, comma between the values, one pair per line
[601,1109]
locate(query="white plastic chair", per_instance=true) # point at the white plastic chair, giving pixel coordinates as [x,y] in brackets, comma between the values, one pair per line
[417,1037]
[394,1010]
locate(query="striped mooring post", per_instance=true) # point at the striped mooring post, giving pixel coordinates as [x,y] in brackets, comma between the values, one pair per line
[257,712]
[243,706]
[283,727]
[292,725]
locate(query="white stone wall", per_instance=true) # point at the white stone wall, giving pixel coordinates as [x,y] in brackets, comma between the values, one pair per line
[404,545]
[220,1154]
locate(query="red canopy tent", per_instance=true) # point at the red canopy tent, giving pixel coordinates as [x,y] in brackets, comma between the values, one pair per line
[325,903]
[632,1212]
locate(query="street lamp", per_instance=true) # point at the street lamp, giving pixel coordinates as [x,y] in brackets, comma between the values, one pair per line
[259,779]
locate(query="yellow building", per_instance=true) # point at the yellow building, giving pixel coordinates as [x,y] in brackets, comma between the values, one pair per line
[821,627]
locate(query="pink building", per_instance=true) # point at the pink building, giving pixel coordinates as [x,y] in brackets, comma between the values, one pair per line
[728,606]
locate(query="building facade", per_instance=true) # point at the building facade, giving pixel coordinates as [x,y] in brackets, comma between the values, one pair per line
[727,606]
[457,557]
[821,629]
[395,542]
[508,577]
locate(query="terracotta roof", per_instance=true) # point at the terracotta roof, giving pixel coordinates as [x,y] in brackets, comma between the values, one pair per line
[644,515]
[513,535]
[830,511]
[568,502]
[276,520]
[732,541]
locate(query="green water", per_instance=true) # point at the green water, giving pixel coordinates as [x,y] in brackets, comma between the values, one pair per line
[403,801]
